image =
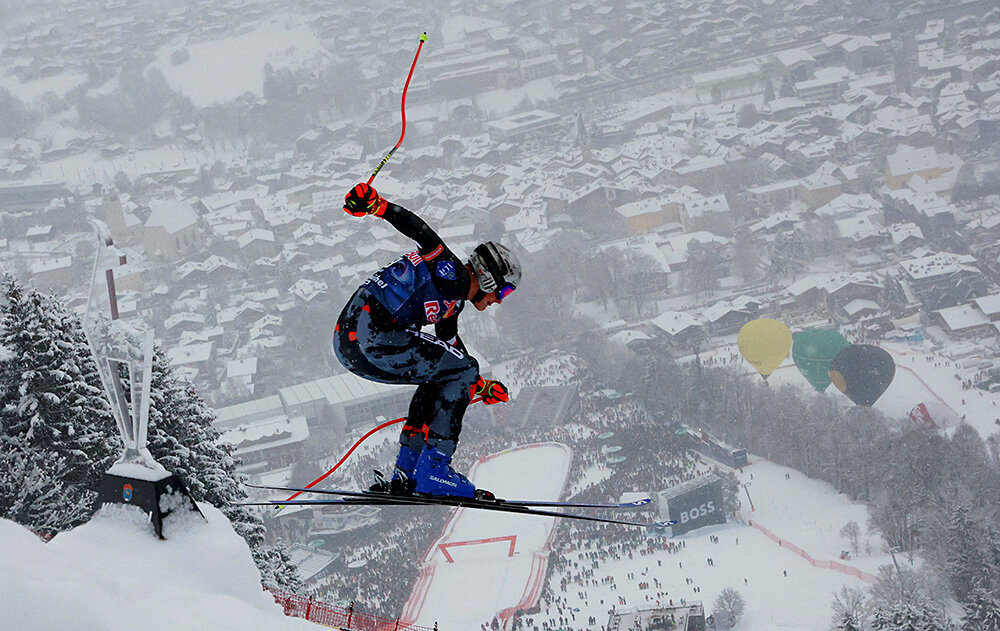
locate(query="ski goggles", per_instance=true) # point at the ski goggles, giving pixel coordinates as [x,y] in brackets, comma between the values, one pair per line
[504,291]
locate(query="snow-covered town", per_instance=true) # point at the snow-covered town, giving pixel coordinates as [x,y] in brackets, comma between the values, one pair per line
[670,175]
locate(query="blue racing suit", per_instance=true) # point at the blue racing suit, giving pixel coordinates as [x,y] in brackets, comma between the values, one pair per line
[378,335]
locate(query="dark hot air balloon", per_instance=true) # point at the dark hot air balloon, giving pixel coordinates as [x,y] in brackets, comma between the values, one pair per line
[813,351]
[862,372]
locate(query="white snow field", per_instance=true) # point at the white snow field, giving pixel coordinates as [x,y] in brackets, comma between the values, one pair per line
[803,512]
[223,69]
[484,580]
[113,574]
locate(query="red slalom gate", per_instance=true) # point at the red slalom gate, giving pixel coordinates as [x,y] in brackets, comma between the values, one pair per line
[345,618]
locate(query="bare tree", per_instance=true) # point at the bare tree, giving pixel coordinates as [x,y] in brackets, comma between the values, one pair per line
[637,280]
[850,608]
[851,531]
[898,585]
[746,256]
[703,268]
[729,607]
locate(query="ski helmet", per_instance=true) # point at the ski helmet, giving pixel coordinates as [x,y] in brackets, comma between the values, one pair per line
[496,267]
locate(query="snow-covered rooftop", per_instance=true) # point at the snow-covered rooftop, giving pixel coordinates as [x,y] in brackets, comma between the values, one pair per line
[674,322]
[962,317]
[940,264]
[267,433]
[171,215]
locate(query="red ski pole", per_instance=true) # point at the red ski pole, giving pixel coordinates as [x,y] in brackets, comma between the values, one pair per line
[349,452]
[402,109]
[355,446]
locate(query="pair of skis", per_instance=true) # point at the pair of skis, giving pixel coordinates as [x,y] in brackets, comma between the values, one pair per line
[521,507]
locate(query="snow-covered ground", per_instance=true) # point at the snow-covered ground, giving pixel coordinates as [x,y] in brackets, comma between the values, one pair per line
[31,91]
[223,69]
[483,579]
[91,166]
[113,574]
[804,512]
[937,380]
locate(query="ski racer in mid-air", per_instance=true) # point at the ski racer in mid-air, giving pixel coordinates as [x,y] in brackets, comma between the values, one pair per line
[378,336]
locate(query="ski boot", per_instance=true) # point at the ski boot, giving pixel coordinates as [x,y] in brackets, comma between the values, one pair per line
[402,481]
[435,475]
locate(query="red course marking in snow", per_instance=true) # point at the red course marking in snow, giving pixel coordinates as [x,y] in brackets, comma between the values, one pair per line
[827,565]
[443,547]
[533,586]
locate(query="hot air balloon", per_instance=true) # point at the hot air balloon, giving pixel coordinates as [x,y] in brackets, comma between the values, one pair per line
[813,350]
[765,344]
[862,372]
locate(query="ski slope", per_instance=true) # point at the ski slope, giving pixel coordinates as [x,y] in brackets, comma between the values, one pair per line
[113,574]
[802,511]
[484,581]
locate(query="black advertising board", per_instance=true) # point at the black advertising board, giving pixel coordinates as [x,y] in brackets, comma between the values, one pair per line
[693,504]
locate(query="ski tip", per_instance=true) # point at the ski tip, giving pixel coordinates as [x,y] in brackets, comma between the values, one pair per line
[639,502]
[423,37]
[664,524]
[272,503]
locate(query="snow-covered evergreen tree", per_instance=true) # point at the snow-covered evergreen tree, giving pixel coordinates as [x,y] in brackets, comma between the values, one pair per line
[183,440]
[847,622]
[982,611]
[910,617]
[33,491]
[965,546]
[960,539]
[58,436]
[56,422]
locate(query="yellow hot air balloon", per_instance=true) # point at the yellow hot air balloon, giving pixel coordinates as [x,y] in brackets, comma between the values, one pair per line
[765,344]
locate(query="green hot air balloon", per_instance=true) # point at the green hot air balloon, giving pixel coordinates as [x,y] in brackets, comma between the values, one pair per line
[862,372]
[813,351]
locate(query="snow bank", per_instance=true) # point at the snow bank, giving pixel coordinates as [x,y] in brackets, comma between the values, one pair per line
[113,573]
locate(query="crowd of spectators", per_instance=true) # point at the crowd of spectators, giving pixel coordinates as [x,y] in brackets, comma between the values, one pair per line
[654,459]
[390,550]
